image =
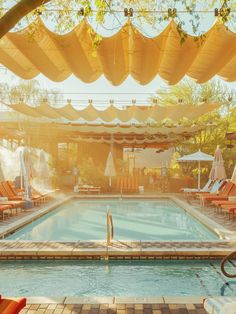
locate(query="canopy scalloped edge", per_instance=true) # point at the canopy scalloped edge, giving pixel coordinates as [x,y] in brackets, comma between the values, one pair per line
[142,114]
[128,52]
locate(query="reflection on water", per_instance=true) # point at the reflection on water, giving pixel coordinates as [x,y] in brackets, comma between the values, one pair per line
[160,220]
[116,278]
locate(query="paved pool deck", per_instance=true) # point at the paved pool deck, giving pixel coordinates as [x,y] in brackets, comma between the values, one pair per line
[69,307]
[19,249]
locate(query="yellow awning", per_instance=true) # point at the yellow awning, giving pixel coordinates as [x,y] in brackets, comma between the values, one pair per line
[128,52]
[142,114]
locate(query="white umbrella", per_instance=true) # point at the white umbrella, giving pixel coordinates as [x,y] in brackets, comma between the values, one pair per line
[24,170]
[233,178]
[43,167]
[198,156]
[110,170]
[1,174]
[218,168]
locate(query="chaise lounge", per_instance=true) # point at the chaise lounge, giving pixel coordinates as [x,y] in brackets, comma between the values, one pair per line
[11,306]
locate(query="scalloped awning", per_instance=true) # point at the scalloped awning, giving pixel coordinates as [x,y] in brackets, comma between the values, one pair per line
[142,114]
[128,52]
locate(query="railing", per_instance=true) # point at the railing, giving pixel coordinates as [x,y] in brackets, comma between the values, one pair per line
[226,259]
[110,227]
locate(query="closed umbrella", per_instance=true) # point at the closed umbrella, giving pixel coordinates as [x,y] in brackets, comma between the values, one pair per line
[233,178]
[43,166]
[1,174]
[198,156]
[24,170]
[110,170]
[218,168]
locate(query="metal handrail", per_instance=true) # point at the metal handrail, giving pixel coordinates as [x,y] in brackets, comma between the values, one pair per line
[110,227]
[224,261]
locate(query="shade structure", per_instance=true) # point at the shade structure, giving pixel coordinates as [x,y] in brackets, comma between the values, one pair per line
[233,178]
[218,169]
[198,156]
[128,52]
[110,170]
[140,114]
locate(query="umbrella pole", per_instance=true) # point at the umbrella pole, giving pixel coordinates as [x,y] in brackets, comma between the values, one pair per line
[110,181]
[199,175]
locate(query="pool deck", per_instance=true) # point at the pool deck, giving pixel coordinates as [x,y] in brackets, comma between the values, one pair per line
[19,249]
[72,305]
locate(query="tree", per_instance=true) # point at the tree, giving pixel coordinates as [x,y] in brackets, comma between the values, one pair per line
[29,92]
[215,125]
[24,8]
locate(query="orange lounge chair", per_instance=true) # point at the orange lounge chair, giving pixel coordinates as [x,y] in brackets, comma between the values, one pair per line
[4,208]
[10,197]
[223,194]
[11,306]
[36,198]
[13,204]
[229,209]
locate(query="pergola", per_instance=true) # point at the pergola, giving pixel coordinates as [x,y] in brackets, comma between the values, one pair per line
[128,52]
[47,126]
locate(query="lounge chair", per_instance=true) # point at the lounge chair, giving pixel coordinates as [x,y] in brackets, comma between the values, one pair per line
[11,306]
[8,191]
[4,193]
[13,205]
[214,189]
[224,193]
[220,305]
[4,209]
[36,198]
[229,209]
[206,188]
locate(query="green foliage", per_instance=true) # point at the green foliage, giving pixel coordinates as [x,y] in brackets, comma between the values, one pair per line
[92,174]
[215,125]
[66,14]
[29,92]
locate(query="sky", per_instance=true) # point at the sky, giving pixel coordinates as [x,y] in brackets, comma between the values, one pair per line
[100,91]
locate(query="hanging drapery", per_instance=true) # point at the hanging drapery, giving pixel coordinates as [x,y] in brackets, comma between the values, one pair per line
[59,56]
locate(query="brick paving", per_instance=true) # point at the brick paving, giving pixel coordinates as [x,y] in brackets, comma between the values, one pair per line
[114,309]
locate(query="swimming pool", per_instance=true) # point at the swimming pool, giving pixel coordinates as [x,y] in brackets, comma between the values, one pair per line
[134,219]
[114,278]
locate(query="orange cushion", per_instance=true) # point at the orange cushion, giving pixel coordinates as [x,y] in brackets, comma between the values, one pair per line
[12,306]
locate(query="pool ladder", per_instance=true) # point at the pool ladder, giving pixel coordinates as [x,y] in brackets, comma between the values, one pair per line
[226,259]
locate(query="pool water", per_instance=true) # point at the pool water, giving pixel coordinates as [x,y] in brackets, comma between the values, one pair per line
[114,278]
[160,220]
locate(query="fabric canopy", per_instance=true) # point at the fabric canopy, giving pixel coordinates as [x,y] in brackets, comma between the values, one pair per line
[141,114]
[128,52]
[198,156]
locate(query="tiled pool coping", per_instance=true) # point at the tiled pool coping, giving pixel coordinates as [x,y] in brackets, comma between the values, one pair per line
[162,305]
[19,249]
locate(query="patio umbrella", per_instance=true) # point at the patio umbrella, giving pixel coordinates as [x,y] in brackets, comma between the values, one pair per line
[1,174]
[198,156]
[233,178]
[24,170]
[43,167]
[218,168]
[110,170]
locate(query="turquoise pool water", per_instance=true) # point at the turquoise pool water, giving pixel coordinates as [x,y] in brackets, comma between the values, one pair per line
[114,278]
[160,220]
